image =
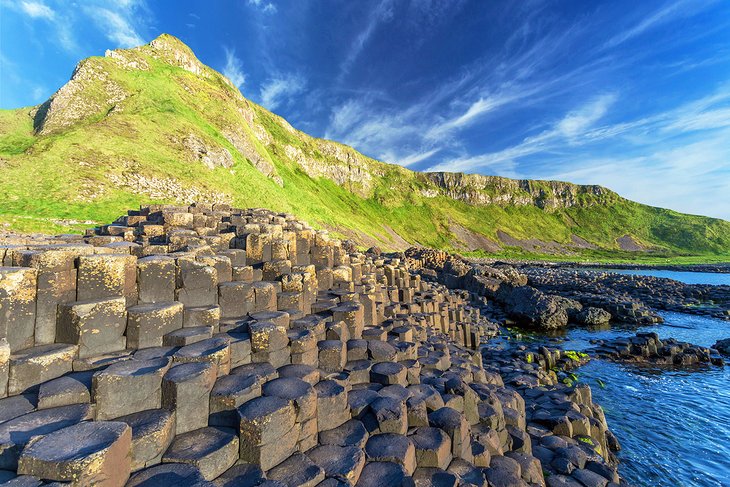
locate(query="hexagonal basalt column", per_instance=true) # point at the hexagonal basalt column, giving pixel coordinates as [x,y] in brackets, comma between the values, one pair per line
[17,306]
[94,453]
[268,433]
[129,387]
[97,326]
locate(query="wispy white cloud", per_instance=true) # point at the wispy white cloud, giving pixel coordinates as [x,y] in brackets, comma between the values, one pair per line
[578,121]
[566,130]
[233,70]
[59,21]
[474,111]
[38,10]
[263,6]
[414,157]
[516,76]
[119,21]
[39,93]
[280,88]
[671,11]
[661,159]
[379,134]
[118,26]
[383,12]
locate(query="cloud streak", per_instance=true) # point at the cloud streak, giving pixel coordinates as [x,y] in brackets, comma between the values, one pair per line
[279,90]
[38,10]
[671,11]
[120,22]
[233,69]
[117,26]
[265,7]
[381,13]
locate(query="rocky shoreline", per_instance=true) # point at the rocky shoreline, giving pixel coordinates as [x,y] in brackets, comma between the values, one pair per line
[215,346]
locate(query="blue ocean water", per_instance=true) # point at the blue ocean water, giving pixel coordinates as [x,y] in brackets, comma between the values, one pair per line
[714,278]
[673,425]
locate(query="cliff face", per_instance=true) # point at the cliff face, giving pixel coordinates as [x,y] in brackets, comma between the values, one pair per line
[155,122]
[477,189]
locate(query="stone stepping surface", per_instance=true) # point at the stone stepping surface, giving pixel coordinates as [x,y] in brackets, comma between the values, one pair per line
[152,432]
[213,450]
[89,453]
[207,345]
[17,432]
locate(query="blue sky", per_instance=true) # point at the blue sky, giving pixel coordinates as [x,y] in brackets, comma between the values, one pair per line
[631,95]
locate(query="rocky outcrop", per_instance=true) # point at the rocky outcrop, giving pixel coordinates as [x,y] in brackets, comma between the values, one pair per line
[173,51]
[534,308]
[210,345]
[649,348]
[211,157]
[340,164]
[630,298]
[166,188]
[723,346]
[89,92]
[593,316]
[478,189]
[246,147]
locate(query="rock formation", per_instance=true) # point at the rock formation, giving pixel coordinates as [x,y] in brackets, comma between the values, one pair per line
[208,345]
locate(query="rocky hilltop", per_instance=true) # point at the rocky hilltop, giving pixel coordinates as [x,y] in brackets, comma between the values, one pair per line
[155,123]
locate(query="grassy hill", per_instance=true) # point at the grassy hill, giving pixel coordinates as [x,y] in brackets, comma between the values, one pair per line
[153,124]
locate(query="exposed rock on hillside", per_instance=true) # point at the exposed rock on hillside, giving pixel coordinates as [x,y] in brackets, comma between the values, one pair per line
[210,157]
[477,189]
[89,92]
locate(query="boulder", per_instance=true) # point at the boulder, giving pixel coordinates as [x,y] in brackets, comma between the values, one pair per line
[534,308]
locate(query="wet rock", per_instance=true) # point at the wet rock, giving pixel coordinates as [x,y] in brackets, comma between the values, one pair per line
[593,316]
[723,346]
[533,307]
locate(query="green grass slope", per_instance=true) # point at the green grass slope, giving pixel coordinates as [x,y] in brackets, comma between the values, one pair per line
[153,124]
